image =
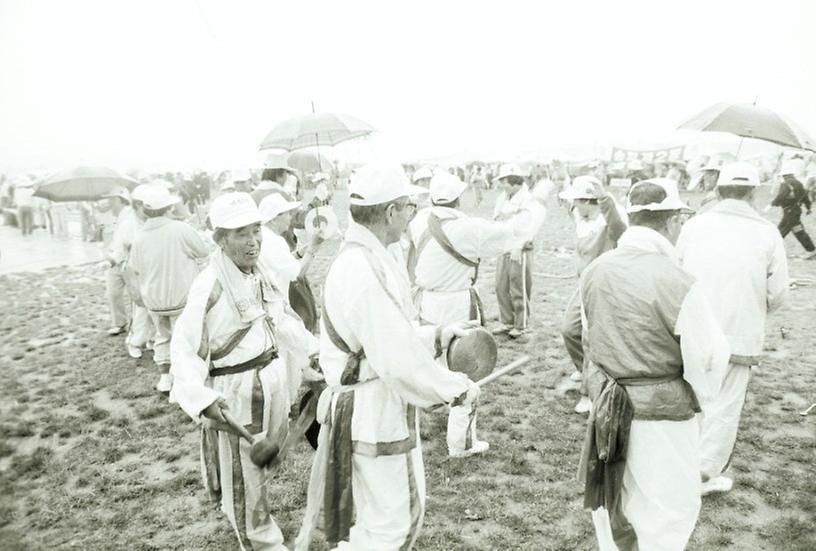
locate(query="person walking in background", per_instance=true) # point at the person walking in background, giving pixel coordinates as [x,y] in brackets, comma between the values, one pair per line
[514,271]
[599,223]
[791,197]
[738,260]
[124,230]
[165,258]
[24,199]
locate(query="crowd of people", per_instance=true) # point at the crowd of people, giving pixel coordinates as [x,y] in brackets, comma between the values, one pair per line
[664,329]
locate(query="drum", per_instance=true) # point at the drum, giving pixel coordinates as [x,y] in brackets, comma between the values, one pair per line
[474,354]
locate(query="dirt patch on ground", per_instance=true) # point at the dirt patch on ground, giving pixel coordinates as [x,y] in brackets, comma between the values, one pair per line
[92,458]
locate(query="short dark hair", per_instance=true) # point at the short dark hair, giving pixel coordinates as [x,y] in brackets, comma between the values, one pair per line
[271,174]
[155,213]
[734,192]
[644,194]
[514,180]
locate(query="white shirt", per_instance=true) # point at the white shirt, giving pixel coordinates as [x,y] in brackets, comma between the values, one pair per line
[279,260]
[165,257]
[446,282]
[523,212]
[24,196]
[739,260]
[124,232]
[399,366]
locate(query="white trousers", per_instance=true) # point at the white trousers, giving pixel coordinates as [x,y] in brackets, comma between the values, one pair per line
[389,500]
[661,486]
[161,345]
[443,309]
[244,496]
[117,295]
[721,421]
[141,327]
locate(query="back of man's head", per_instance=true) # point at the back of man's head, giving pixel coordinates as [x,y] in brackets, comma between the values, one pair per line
[647,193]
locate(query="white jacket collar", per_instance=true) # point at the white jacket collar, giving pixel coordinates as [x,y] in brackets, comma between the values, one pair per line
[647,239]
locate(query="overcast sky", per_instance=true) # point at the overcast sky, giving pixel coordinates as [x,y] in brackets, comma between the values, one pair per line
[185,83]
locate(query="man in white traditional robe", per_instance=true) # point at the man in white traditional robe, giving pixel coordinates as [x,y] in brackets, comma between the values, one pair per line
[380,368]
[738,259]
[445,270]
[656,357]
[236,349]
[124,230]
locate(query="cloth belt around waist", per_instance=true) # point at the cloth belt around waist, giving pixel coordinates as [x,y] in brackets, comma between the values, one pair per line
[257,362]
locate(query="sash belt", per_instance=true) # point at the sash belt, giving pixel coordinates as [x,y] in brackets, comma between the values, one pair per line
[257,362]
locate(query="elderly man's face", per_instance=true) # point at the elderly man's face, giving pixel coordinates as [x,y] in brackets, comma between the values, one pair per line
[398,215]
[243,245]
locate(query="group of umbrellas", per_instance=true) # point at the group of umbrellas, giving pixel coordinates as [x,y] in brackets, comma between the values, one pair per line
[297,136]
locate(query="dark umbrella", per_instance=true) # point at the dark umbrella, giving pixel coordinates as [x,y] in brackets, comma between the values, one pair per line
[750,121]
[85,183]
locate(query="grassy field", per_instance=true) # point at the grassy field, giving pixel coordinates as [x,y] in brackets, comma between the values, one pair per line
[91,457]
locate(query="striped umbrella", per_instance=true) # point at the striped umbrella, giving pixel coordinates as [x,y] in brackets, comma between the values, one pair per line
[85,183]
[315,130]
[750,121]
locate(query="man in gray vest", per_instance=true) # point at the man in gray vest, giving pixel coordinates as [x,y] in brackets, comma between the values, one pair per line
[656,357]
[448,247]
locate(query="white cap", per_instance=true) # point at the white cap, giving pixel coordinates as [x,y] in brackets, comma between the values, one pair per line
[320,177]
[634,164]
[509,169]
[160,182]
[278,161]
[792,167]
[739,173]
[234,210]
[672,200]
[423,173]
[140,191]
[24,180]
[275,204]
[378,183]
[120,192]
[583,187]
[446,187]
[240,175]
[157,197]
[229,185]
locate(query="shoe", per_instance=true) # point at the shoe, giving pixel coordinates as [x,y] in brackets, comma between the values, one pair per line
[479,446]
[165,383]
[134,351]
[116,331]
[576,377]
[503,328]
[583,405]
[718,484]
[516,333]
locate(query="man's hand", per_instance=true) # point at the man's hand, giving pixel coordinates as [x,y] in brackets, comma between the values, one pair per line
[213,411]
[598,190]
[458,329]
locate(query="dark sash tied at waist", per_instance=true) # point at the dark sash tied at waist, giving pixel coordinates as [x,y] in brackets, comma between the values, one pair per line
[255,363]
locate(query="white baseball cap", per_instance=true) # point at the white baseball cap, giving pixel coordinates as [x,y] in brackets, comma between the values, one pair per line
[582,187]
[278,161]
[234,210]
[446,187]
[320,177]
[423,173]
[139,192]
[509,169]
[275,204]
[377,183]
[740,173]
[240,175]
[157,197]
[792,167]
[672,200]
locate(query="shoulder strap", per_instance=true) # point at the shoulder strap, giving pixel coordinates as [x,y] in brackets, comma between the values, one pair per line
[435,229]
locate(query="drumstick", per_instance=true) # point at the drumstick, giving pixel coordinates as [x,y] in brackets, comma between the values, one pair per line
[238,427]
[512,366]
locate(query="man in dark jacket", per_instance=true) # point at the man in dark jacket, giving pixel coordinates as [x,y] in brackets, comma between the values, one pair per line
[791,197]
